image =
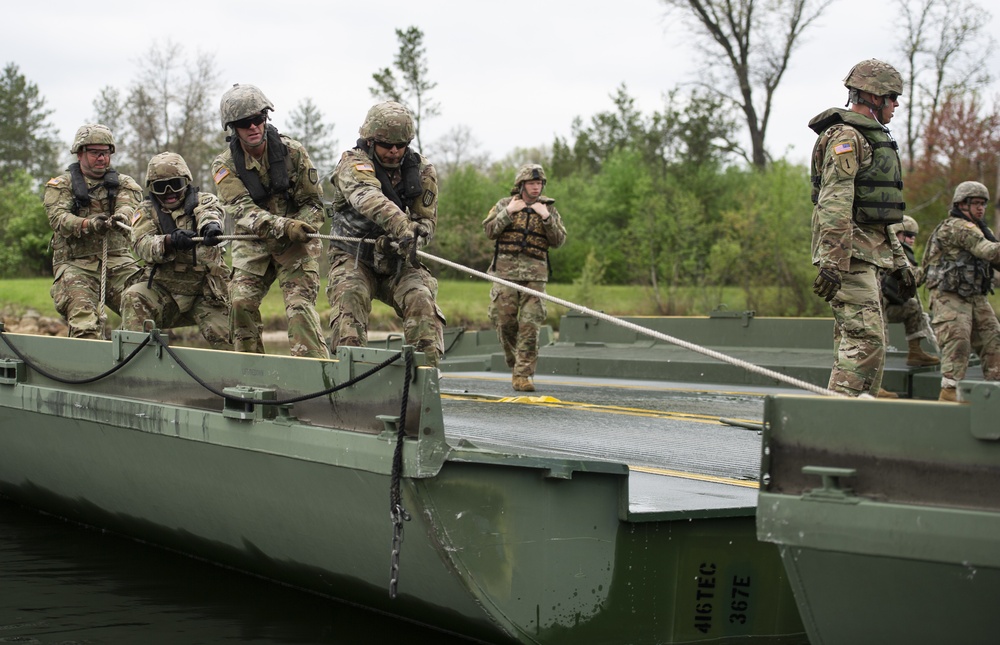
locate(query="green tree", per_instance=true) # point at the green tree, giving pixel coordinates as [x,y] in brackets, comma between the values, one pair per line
[412,88]
[171,105]
[27,140]
[748,46]
[306,125]
[946,47]
[466,196]
[24,228]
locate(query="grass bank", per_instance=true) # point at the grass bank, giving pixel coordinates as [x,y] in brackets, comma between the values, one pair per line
[464,302]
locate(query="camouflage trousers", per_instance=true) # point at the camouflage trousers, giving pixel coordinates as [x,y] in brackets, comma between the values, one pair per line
[859,332]
[210,310]
[911,314]
[517,317]
[76,293]
[963,326]
[299,286]
[412,293]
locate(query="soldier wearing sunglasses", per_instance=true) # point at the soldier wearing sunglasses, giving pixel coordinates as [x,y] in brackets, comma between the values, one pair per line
[270,188]
[184,283]
[386,192]
[858,193]
[84,207]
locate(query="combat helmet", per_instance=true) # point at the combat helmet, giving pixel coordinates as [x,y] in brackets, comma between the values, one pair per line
[909,225]
[93,134]
[388,122]
[167,165]
[527,172]
[242,101]
[969,189]
[874,76]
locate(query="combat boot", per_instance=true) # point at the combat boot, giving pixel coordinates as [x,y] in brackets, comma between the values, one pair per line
[917,357]
[886,394]
[948,394]
[523,384]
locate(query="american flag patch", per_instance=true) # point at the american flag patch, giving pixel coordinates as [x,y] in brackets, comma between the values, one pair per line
[222,174]
[364,167]
[841,148]
[135,216]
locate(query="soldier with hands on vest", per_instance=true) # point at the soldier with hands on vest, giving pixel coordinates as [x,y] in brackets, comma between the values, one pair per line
[858,193]
[525,226]
[269,186]
[959,261]
[908,311]
[85,206]
[384,192]
[184,282]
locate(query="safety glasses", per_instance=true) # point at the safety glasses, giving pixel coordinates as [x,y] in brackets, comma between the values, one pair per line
[256,119]
[392,146]
[172,185]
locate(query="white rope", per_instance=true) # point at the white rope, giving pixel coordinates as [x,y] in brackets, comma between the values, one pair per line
[719,356]
[102,317]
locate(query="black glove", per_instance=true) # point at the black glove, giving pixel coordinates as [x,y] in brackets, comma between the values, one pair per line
[907,283]
[827,284]
[212,233]
[99,224]
[180,240]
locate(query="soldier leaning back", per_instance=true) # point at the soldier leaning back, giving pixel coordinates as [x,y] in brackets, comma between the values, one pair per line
[184,283]
[273,192]
[85,207]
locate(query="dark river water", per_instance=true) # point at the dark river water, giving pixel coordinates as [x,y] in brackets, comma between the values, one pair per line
[63,584]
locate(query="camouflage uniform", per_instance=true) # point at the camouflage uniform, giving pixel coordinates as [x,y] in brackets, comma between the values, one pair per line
[521,256]
[852,248]
[77,248]
[959,260]
[179,287]
[909,312]
[384,204]
[257,263]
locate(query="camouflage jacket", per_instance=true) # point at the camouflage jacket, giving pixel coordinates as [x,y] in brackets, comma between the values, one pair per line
[362,209]
[521,266]
[960,259]
[270,223]
[71,244]
[177,271]
[836,235]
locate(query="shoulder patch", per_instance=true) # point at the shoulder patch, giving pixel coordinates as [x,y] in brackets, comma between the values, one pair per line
[364,167]
[313,176]
[843,147]
[55,181]
[135,216]
[222,174]
[428,197]
[968,224]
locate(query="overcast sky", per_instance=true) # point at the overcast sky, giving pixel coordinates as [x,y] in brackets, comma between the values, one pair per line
[516,74]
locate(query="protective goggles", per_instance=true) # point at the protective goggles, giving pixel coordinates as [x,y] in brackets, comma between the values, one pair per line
[172,185]
[392,146]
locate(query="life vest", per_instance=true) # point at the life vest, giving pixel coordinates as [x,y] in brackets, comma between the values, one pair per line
[525,234]
[69,248]
[277,171]
[878,189]
[348,222]
[964,274]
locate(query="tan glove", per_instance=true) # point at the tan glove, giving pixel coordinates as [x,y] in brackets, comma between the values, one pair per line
[299,232]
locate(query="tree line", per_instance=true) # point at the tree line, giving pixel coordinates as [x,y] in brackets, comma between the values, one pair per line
[660,200]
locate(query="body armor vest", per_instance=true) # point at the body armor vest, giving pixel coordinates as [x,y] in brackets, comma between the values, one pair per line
[348,222]
[525,234]
[84,205]
[878,189]
[965,274]
[277,171]
[176,276]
